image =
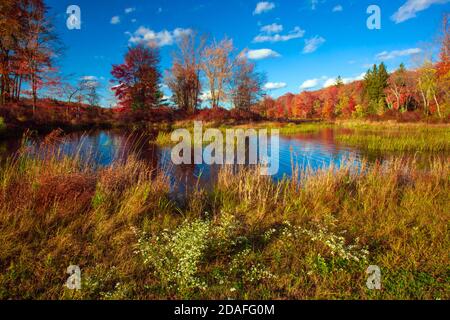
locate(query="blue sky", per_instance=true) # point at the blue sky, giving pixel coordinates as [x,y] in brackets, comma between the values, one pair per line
[300,45]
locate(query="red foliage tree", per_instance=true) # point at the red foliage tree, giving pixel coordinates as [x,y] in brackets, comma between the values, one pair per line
[330,99]
[304,105]
[137,79]
[27,48]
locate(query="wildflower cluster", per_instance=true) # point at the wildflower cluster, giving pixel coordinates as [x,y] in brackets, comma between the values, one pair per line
[248,271]
[335,243]
[175,255]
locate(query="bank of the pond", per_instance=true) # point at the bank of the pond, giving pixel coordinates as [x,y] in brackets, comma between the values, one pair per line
[246,237]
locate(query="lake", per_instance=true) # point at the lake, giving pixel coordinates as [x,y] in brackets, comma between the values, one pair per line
[103,147]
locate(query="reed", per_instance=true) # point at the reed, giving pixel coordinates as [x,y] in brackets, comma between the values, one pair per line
[248,237]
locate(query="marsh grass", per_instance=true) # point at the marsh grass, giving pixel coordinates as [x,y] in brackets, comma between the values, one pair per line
[164,139]
[429,142]
[396,137]
[310,237]
[385,136]
[291,129]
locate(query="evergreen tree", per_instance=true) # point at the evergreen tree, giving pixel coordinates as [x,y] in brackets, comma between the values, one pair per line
[339,82]
[375,83]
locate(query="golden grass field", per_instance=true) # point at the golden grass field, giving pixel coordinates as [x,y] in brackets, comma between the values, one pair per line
[248,237]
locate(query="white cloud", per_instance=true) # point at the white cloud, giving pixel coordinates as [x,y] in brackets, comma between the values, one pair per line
[262,54]
[272,28]
[309,84]
[385,55]
[263,6]
[90,81]
[312,44]
[332,81]
[205,96]
[129,10]
[115,20]
[314,4]
[160,39]
[338,8]
[296,33]
[89,78]
[409,9]
[275,85]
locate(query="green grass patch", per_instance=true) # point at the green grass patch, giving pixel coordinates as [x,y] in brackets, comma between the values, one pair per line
[425,141]
[291,129]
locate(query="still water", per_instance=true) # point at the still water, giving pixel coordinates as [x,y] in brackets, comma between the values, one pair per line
[103,147]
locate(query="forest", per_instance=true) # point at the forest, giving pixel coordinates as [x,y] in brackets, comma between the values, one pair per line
[209,80]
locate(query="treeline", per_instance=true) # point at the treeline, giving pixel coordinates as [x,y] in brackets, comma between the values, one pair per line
[214,72]
[28,46]
[205,72]
[201,71]
[425,90]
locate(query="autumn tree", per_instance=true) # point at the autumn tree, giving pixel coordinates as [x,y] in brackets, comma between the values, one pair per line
[39,45]
[138,78]
[304,105]
[246,83]
[400,90]
[443,66]
[265,106]
[183,79]
[9,32]
[428,86]
[28,46]
[330,100]
[217,66]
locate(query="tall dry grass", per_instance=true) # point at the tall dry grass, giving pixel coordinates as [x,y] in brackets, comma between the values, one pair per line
[311,237]
[57,211]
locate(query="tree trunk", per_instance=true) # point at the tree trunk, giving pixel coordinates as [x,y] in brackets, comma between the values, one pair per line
[438,106]
[425,104]
[1,90]
[19,89]
[33,88]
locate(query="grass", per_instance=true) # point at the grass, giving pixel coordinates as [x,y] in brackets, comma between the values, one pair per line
[163,139]
[291,129]
[248,237]
[385,136]
[395,137]
[425,142]
[390,126]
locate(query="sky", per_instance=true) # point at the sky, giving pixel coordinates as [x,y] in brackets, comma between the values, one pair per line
[299,44]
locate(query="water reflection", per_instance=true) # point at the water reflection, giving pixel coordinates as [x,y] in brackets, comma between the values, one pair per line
[316,150]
